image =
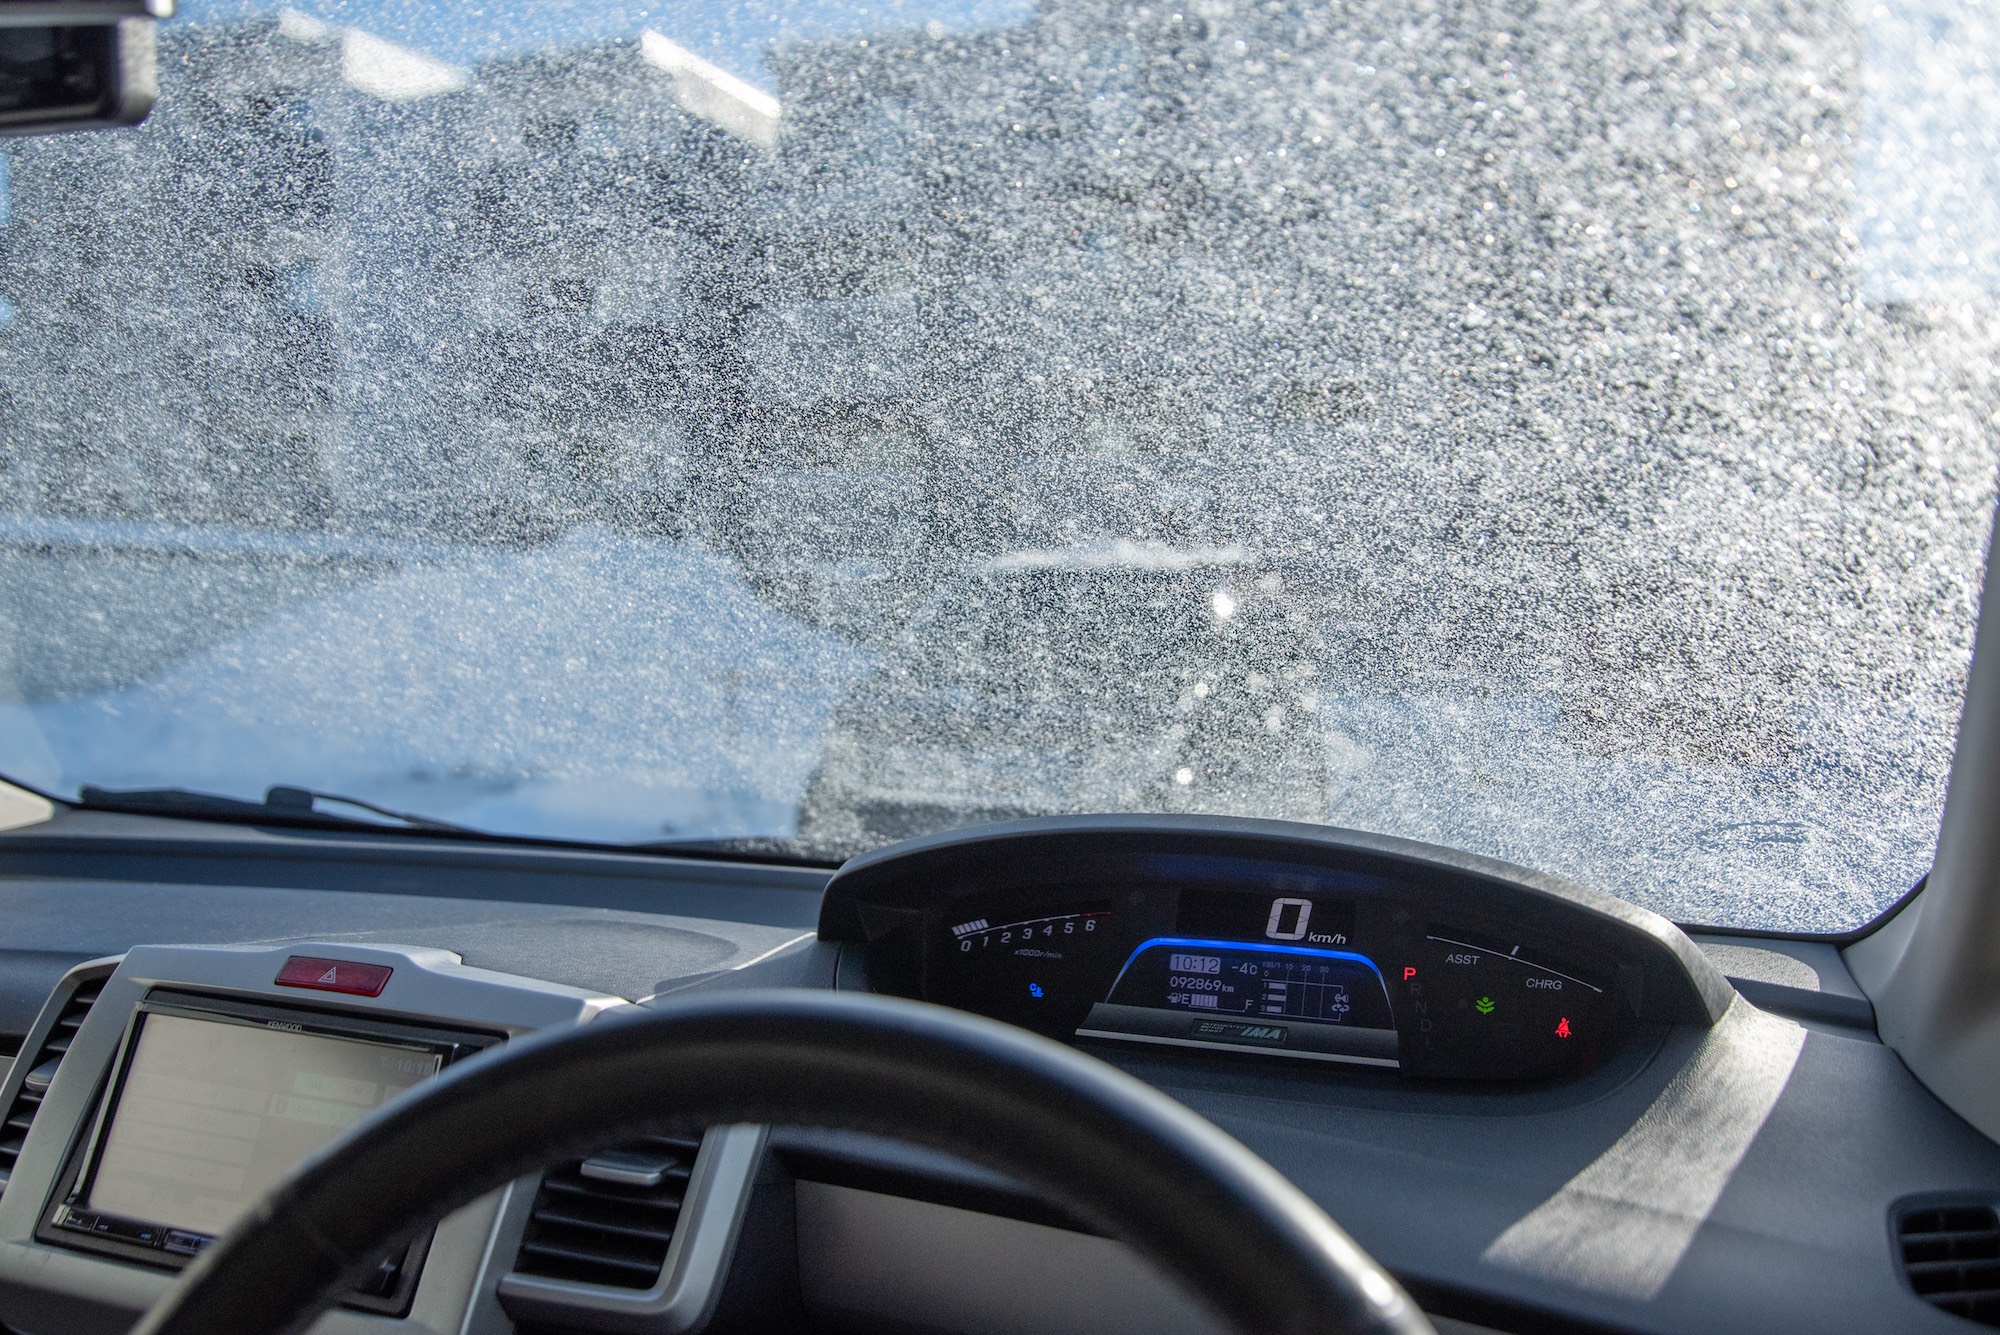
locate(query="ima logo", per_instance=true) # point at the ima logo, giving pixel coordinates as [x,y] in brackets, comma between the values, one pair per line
[1240,1033]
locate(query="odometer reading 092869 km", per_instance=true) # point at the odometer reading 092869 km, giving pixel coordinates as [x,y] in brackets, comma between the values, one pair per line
[1239,983]
[1294,1001]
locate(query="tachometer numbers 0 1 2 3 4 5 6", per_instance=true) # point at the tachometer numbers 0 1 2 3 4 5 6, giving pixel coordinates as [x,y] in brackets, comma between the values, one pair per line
[980,935]
[1041,972]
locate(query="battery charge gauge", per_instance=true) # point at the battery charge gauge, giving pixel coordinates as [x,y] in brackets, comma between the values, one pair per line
[1481,1008]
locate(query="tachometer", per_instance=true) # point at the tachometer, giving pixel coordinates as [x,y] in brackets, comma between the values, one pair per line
[1040,971]
[1052,930]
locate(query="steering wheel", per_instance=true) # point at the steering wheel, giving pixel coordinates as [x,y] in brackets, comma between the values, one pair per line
[1115,1152]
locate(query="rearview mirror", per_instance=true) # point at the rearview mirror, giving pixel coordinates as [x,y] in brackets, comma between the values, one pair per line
[76,64]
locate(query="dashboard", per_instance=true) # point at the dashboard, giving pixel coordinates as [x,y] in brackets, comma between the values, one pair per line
[1271,941]
[196,1007]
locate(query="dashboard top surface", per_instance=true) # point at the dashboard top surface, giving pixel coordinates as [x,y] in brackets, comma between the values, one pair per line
[1813,1132]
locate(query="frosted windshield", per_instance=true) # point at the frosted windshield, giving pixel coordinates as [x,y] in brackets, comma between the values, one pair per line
[1564,432]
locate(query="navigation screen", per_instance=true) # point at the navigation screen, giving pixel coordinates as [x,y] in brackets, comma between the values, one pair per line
[212,1115]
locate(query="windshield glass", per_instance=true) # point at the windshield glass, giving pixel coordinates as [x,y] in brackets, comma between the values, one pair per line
[1564,431]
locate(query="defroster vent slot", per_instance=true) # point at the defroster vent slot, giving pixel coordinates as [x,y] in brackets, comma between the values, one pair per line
[1951,1255]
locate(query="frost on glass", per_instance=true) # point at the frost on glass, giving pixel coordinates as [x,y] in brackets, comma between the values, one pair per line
[1562,432]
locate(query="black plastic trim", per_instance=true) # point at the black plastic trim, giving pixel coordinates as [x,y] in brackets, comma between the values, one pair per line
[1800,1004]
[891,1168]
[105,846]
[1497,1314]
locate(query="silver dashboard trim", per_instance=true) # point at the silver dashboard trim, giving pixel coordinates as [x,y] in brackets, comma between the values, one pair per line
[49,1288]
[697,1262]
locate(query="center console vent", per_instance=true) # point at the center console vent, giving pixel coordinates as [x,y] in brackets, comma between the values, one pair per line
[1950,1250]
[633,1238]
[71,1002]
[609,1219]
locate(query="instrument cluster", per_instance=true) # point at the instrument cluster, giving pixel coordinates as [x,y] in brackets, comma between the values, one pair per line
[1272,941]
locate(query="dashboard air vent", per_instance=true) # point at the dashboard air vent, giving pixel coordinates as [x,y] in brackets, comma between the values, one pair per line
[1951,1254]
[40,1068]
[608,1220]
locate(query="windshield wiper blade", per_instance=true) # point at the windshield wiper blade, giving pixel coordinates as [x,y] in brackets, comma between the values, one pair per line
[281,801]
[285,804]
[757,846]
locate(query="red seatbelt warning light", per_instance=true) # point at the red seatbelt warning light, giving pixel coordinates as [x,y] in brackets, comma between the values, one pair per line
[1562,1027]
[1409,972]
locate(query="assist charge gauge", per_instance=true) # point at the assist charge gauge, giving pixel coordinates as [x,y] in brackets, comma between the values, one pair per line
[1477,1008]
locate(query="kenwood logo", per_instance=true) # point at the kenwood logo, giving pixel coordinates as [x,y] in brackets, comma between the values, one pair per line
[286,1025]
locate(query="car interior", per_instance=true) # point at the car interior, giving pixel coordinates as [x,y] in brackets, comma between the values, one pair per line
[1039,974]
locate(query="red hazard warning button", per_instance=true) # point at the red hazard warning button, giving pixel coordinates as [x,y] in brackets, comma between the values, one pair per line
[361,980]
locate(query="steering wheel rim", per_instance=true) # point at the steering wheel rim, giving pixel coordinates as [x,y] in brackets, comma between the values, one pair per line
[1119,1154]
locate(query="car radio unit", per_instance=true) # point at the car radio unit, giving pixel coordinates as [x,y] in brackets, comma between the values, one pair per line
[211,1102]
